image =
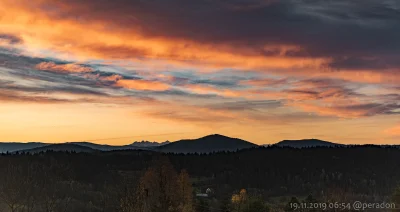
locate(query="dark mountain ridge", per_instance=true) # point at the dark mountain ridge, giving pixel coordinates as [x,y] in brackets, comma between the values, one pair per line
[207,144]
[148,144]
[304,143]
[104,147]
[65,147]
[14,146]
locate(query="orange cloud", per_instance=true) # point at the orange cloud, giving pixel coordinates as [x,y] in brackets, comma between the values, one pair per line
[349,110]
[65,37]
[80,40]
[63,68]
[329,110]
[142,85]
[365,76]
[326,95]
[114,77]
[203,89]
[265,82]
[111,78]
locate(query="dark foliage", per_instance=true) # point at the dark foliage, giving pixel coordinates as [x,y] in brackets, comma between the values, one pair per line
[102,181]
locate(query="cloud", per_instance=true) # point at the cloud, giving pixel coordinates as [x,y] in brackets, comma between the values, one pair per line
[63,68]
[301,63]
[265,82]
[77,90]
[256,62]
[272,21]
[349,111]
[319,82]
[65,97]
[368,63]
[254,105]
[339,39]
[18,97]
[333,94]
[324,96]
[142,85]
[251,113]
[207,89]
[10,39]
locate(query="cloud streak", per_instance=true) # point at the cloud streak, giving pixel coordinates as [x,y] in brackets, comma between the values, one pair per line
[142,85]
[63,68]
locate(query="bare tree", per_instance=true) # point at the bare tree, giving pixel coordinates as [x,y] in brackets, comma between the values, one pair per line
[158,190]
[15,186]
[185,192]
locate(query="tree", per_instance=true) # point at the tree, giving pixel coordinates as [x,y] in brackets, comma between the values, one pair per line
[161,190]
[239,201]
[108,198]
[185,191]
[15,185]
[128,199]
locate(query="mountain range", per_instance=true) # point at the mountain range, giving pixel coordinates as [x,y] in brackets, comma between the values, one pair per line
[207,144]
[304,143]
[64,147]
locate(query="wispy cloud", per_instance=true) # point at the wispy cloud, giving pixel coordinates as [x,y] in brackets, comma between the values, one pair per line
[10,39]
[350,110]
[63,68]
[142,85]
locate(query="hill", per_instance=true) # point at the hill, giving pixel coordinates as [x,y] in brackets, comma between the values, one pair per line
[104,147]
[304,143]
[13,147]
[207,144]
[65,147]
[148,144]
[143,145]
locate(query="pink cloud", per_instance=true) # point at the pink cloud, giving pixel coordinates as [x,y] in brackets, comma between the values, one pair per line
[142,85]
[63,68]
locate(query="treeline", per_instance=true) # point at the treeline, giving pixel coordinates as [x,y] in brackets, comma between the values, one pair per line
[254,180]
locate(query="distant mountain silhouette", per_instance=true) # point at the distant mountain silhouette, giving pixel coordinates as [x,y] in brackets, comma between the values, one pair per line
[143,145]
[207,144]
[12,147]
[306,143]
[65,147]
[104,147]
[148,144]
[26,147]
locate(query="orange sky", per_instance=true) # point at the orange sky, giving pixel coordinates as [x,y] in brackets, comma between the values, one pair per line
[75,71]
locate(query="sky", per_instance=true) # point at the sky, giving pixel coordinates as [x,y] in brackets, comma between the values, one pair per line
[262,70]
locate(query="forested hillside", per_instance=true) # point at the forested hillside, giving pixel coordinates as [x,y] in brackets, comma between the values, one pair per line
[260,179]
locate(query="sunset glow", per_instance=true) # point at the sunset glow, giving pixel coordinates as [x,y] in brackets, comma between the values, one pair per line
[119,71]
